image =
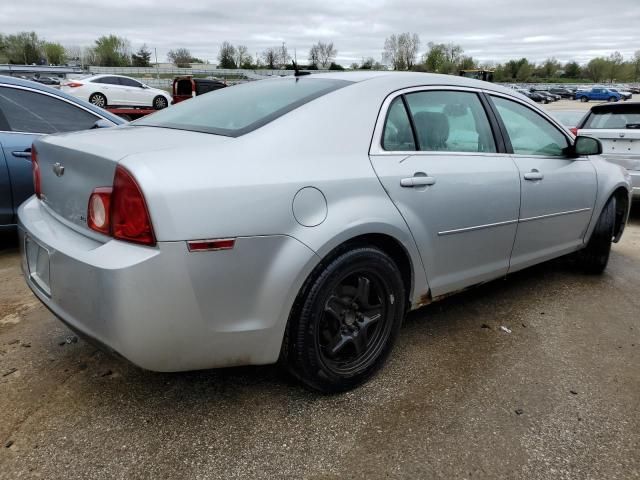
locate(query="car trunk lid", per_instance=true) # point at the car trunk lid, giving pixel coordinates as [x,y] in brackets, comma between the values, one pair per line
[618,145]
[73,165]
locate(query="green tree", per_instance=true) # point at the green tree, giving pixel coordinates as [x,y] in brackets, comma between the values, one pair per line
[142,57]
[572,70]
[597,69]
[524,72]
[226,56]
[549,68]
[112,51]
[23,48]
[615,66]
[54,53]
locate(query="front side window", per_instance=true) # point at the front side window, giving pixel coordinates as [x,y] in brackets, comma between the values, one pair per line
[31,112]
[129,82]
[450,121]
[236,110]
[529,132]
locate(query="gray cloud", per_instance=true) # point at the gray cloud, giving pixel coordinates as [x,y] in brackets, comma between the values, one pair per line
[496,30]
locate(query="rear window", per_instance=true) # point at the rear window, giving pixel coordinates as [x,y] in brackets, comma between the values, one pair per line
[243,108]
[623,119]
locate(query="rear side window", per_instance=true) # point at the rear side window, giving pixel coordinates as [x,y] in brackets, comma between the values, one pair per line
[240,109]
[31,112]
[450,121]
[397,129]
[529,132]
[613,120]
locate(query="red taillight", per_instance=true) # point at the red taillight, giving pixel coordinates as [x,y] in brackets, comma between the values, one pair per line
[129,214]
[574,130]
[99,217]
[73,84]
[121,211]
[35,169]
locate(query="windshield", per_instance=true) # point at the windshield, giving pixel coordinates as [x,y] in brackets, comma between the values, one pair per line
[240,109]
[613,120]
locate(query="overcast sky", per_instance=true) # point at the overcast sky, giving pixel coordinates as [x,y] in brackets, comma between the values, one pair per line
[487,30]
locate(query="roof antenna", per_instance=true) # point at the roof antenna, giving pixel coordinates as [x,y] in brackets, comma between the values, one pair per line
[297,71]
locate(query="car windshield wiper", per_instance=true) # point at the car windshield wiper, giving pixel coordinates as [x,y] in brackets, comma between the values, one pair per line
[633,126]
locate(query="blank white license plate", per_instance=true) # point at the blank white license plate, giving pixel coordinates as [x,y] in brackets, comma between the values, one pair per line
[38,264]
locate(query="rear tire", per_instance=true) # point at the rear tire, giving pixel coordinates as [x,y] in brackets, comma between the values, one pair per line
[613,99]
[160,102]
[584,99]
[595,256]
[98,99]
[345,321]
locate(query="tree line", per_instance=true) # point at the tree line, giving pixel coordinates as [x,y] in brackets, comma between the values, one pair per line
[400,52]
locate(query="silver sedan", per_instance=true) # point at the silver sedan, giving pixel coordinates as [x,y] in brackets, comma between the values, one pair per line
[299,219]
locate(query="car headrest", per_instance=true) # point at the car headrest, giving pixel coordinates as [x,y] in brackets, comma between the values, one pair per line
[433,129]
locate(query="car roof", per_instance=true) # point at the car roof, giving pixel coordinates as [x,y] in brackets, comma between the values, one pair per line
[409,79]
[20,82]
[626,107]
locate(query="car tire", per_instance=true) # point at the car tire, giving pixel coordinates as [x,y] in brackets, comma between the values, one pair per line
[613,99]
[595,256]
[160,102]
[98,99]
[584,99]
[345,321]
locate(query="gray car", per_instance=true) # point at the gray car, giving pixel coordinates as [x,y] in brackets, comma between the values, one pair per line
[299,219]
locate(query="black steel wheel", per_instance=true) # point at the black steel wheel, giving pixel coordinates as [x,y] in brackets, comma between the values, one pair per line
[347,319]
[160,102]
[98,99]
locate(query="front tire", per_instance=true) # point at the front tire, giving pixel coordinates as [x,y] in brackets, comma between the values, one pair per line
[595,255]
[160,102]
[613,99]
[346,320]
[98,99]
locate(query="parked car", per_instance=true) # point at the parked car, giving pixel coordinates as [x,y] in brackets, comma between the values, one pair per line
[546,93]
[186,87]
[535,96]
[116,91]
[569,118]
[47,80]
[623,93]
[617,126]
[598,93]
[29,110]
[562,92]
[226,231]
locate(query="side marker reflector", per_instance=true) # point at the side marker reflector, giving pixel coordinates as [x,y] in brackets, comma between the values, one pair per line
[211,245]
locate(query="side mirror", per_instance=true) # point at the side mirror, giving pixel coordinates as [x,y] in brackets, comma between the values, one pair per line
[584,146]
[102,123]
[144,86]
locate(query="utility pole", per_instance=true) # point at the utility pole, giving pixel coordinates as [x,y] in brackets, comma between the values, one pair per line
[157,67]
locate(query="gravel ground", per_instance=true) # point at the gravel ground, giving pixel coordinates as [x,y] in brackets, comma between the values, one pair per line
[557,398]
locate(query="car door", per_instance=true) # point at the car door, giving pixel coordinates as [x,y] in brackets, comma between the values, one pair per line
[111,88]
[437,156]
[6,202]
[557,194]
[133,93]
[29,114]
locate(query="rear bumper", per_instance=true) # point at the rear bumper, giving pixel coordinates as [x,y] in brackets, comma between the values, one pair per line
[164,308]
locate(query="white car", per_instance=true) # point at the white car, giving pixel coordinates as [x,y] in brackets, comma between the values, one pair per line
[116,91]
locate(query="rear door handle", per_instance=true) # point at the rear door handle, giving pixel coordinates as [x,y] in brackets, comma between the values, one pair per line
[417,181]
[22,154]
[533,175]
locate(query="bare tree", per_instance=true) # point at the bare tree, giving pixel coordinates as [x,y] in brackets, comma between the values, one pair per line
[283,56]
[322,54]
[270,57]
[180,56]
[391,53]
[400,51]
[243,59]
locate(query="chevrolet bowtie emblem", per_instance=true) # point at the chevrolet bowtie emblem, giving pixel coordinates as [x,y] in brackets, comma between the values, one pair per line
[58,169]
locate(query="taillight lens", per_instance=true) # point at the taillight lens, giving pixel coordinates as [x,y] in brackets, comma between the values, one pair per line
[121,211]
[99,217]
[130,218]
[35,169]
[574,130]
[73,84]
